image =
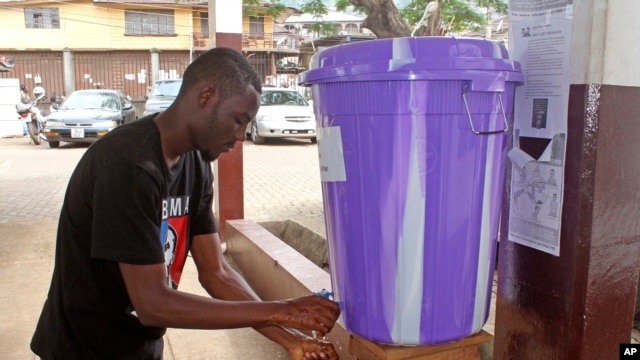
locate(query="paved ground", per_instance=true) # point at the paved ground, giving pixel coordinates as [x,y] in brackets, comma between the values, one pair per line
[281,183]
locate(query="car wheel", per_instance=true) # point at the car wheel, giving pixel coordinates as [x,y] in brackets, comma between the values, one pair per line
[54,144]
[314,140]
[257,139]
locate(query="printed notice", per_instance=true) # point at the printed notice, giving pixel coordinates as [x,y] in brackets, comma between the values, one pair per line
[535,206]
[540,39]
[330,153]
[541,43]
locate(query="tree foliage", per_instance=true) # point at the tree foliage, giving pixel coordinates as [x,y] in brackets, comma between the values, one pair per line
[385,20]
[317,8]
[496,6]
[456,16]
[253,8]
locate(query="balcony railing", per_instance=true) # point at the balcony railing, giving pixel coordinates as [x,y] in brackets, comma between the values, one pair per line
[200,41]
[255,41]
[270,41]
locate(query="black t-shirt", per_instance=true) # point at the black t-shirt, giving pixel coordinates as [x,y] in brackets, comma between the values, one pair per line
[123,204]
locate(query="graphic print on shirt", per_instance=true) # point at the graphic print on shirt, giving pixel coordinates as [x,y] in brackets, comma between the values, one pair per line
[173,236]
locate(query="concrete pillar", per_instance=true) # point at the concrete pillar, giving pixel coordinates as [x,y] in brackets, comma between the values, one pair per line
[273,69]
[580,305]
[155,65]
[228,169]
[69,73]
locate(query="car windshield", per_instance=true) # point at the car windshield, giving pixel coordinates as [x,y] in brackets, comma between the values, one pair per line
[282,97]
[166,88]
[92,101]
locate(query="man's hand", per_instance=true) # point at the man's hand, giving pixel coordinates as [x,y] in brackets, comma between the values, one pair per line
[308,313]
[314,349]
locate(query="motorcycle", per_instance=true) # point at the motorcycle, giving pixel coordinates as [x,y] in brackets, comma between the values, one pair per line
[32,117]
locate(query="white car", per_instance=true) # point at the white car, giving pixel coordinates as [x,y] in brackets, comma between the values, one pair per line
[284,113]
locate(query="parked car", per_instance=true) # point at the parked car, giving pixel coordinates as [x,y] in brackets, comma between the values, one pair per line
[162,94]
[283,113]
[87,115]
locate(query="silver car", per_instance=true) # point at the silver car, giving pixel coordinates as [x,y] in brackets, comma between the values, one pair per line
[161,95]
[283,113]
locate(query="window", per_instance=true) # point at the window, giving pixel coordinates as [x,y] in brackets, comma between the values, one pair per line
[352,29]
[204,24]
[149,22]
[256,27]
[292,28]
[307,29]
[41,18]
[124,101]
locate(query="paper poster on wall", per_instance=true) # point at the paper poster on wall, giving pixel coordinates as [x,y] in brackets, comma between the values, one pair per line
[540,39]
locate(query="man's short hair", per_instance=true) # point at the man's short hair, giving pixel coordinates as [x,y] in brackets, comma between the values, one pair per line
[226,68]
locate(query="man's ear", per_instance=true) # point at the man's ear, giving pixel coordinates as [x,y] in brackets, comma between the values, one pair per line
[208,95]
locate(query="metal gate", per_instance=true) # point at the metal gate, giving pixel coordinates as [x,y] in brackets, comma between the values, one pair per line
[129,71]
[126,71]
[38,68]
[173,64]
[272,69]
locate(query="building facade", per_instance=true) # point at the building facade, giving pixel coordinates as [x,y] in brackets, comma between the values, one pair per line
[123,45]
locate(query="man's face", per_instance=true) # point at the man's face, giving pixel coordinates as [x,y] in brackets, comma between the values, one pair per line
[227,124]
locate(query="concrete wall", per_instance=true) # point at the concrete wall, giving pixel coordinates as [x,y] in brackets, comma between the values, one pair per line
[9,97]
[277,271]
[96,26]
[84,25]
[607,32]
[268,24]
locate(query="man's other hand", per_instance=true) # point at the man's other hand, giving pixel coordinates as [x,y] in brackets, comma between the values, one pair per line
[314,349]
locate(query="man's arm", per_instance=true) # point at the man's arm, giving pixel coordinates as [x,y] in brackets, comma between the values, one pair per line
[221,281]
[157,304]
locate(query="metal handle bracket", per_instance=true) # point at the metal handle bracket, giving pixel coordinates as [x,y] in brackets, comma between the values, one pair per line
[473,129]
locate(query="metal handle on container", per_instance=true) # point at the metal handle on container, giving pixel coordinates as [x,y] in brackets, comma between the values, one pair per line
[473,129]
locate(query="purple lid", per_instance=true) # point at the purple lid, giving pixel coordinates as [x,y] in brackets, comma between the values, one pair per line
[411,58]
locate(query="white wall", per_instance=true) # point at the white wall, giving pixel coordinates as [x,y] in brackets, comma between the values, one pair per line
[621,47]
[228,15]
[605,49]
[9,97]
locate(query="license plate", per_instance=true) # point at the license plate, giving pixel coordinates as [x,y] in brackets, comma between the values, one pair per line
[77,133]
[294,131]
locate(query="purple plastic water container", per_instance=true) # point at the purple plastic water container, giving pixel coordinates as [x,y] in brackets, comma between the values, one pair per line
[412,136]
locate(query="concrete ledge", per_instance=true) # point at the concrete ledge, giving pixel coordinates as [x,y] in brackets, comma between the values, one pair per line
[276,271]
[302,239]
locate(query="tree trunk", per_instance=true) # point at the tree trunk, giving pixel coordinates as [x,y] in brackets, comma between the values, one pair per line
[434,24]
[383,18]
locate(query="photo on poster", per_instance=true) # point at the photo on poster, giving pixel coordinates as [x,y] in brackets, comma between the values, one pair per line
[539,116]
[536,206]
